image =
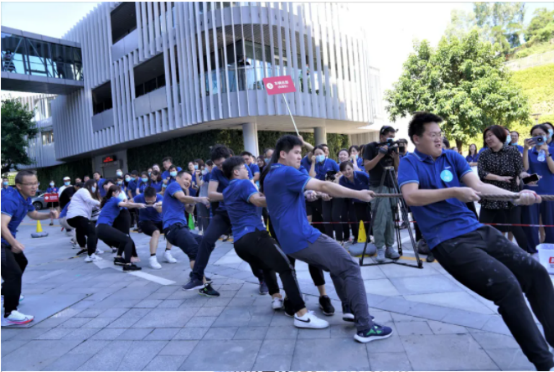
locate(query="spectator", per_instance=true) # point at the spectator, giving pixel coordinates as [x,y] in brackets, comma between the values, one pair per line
[515,138]
[472,156]
[403,147]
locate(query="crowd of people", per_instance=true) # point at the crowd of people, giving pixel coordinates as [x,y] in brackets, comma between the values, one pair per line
[295,202]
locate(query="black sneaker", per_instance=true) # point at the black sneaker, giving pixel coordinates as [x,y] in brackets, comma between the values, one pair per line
[430,257]
[208,291]
[375,333]
[81,252]
[119,261]
[326,306]
[131,267]
[289,311]
[347,314]
[193,284]
[208,280]
[263,288]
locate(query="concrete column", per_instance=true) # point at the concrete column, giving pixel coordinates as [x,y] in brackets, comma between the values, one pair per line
[320,134]
[250,137]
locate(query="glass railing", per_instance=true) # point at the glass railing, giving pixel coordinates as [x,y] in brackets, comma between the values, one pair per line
[27,56]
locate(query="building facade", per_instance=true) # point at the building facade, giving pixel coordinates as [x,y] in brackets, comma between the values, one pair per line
[158,70]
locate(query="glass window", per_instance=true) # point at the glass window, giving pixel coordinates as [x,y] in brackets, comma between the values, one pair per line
[160,81]
[150,85]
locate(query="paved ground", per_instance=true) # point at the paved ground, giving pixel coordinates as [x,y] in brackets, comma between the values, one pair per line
[99,318]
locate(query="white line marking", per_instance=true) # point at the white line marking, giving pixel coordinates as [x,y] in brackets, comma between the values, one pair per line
[153,278]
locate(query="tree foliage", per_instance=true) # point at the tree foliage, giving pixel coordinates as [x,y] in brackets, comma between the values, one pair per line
[541,27]
[463,81]
[17,127]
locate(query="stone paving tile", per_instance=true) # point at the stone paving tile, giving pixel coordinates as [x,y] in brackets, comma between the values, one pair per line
[314,333]
[162,334]
[200,321]
[511,359]
[170,304]
[68,362]
[493,341]
[440,328]
[232,355]
[210,311]
[140,354]
[134,334]
[29,333]
[289,332]
[108,334]
[98,323]
[166,318]
[50,323]
[466,318]
[37,354]
[9,346]
[165,363]
[90,347]
[74,323]
[251,333]
[123,322]
[179,348]
[191,333]
[109,358]
[81,334]
[331,354]
[397,361]
[413,328]
[274,355]
[55,334]
[220,333]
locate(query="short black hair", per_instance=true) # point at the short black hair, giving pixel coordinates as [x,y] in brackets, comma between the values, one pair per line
[541,126]
[320,147]
[498,131]
[445,142]
[100,174]
[149,192]
[172,166]
[353,147]
[386,129]
[245,153]
[403,140]
[285,143]
[220,151]
[23,173]
[167,158]
[323,145]
[230,164]
[341,150]
[210,163]
[515,131]
[80,185]
[134,173]
[345,164]
[200,162]
[180,173]
[416,127]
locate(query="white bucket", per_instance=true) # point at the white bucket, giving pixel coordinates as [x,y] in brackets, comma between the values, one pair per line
[546,256]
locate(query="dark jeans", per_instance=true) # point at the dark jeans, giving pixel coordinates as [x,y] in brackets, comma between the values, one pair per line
[327,213]
[13,266]
[339,213]
[359,212]
[219,225]
[203,216]
[180,236]
[259,249]
[115,238]
[86,233]
[493,267]
[530,215]
[512,215]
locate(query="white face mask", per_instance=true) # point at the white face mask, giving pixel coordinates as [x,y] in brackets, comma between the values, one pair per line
[52,184]
[121,196]
[93,189]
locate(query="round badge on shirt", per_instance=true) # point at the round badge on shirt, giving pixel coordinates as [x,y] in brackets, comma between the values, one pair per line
[447,176]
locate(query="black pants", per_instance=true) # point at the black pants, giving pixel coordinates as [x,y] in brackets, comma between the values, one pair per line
[86,233]
[491,266]
[219,225]
[13,266]
[339,213]
[260,250]
[359,212]
[512,215]
[115,238]
[327,213]
[180,236]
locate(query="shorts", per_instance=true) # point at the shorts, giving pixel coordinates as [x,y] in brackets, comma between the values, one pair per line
[149,227]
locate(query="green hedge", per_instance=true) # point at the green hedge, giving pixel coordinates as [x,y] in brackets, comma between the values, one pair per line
[187,148]
[77,168]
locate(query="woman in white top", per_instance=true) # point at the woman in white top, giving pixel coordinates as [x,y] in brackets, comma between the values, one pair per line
[79,216]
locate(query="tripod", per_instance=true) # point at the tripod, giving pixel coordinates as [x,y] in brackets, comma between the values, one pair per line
[397,213]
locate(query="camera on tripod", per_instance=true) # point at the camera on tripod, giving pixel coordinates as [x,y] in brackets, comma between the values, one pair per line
[392,145]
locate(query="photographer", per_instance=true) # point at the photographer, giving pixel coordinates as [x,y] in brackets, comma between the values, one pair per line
[403,147]
[377,156]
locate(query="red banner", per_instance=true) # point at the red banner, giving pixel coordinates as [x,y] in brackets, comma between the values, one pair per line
[279,85]
[51,198]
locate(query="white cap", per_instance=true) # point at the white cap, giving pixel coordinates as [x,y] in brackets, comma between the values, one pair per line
[66,178]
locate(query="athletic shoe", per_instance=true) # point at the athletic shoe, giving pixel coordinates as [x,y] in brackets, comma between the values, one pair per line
[119,261]
[225,238]
[208,291]
[93,258]
[277,303]
[309,320]
[114,250]
[380,255]
[82,251]
[347,314]
[74,242]
[193,284]
[16,317]
[99,251]
[51,223]
[391,253]
[154,263]
[208,280]
[289,311]
[326,306]
[131,267]
[263,288]
[377,332]
[430,257]
[169,257]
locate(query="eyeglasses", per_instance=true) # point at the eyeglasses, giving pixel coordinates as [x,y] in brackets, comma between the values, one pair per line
[30,184]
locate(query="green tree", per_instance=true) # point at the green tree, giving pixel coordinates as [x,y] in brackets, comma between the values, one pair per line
[464,82]
[541,27]
[17,127]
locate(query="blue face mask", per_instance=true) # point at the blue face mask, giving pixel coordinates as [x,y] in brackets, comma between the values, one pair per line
[267,160]
[121,196]
[133,178]
[356,157]
[5,183]
[67,183]
[52,184]
[204,172]
[119,174]
[144,179]
[195,166]
[120,182]
[551,133]
[149,174]
[93,189]
[127,179]
[320,158]
[173,174]
[508,140]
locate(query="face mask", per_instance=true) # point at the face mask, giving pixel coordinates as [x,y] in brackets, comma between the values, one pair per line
[267,160]
[120,182]
[93,189]
[204,172]
[127,179]
[119,174]
[52,184]
[121,196]
[144,180]
[5,183]
[67,183]
[149,173]
[356,157]
[173,174]
[195,166]
[508,140]
[320,158]
[551,133]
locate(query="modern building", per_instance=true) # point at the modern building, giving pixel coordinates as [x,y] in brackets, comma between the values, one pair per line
[130,74]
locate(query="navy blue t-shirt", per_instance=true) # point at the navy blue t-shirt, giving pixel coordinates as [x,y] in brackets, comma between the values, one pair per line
[217,175]
[306,163]
[446,219]
[360,182]
[100,184]
[156,185]
[243,215]
[254,169]
[284,190]
[321,169]
[149,213]
[472,159]
[109,212]
[15,206]
[546,183]
[132,186]
[142,186]
[173,210]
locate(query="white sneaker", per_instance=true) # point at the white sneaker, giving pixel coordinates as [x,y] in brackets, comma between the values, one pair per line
[277,303]
[93,258]
[99,251]
[154,263]
[17,318]
[309,320]
[169,258]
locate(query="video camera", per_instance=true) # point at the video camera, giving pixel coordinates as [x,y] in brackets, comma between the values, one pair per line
[392,144]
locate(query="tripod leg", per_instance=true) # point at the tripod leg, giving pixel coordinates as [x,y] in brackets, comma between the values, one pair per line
[372,218]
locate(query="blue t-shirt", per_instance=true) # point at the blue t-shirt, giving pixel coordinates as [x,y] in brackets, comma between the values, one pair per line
[446,219]
[15,206]
[306,163]
[206,177]
[218,176]
[166,175]
[173,211]
[109,212]
[360,161]
[52,190]
[63,213]
[254,169]
[361,182]
[519,148]
[546,183]
[132,186]
[472,159]
[284,190]
[483,149]
[243,215]
[149,213]
[156,185]
[303,170]
[143,185]
[321,169]
[100,184]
